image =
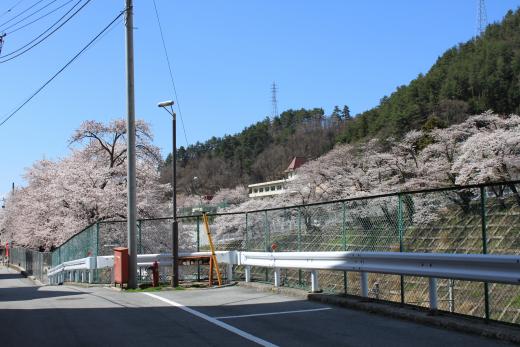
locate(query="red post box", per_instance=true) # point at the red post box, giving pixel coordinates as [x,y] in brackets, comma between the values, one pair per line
[120,265]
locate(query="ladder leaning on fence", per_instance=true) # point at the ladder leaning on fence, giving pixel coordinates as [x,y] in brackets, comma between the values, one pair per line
[213,255]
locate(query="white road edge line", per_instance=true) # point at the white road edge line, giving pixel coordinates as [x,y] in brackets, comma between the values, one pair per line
[274,313]
[214,321]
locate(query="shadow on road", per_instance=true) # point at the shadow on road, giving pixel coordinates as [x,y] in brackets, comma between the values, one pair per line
[31,293]
[10,276]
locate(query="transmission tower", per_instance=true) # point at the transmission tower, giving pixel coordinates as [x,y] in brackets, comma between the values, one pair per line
[481,17]
[274,100]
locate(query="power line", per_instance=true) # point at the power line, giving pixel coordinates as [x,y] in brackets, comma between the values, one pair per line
[11,8]
[170,70]
[91,42]
[41,17]
[32,14]
[19,14]
[47,36]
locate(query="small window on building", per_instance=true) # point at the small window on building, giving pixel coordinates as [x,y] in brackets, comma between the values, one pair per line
[273,188]
[279,187]
[250,190]
[255,190]
[261,190]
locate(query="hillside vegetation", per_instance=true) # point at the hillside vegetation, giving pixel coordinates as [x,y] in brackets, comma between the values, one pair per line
[470,78]
[260,152]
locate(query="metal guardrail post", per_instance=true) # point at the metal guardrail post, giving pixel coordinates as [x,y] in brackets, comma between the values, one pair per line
[344,239]
[315,285]
[248,273]
[364,284]
[432,282]
[483,218]
[299,240]
[400,227]
[276,277]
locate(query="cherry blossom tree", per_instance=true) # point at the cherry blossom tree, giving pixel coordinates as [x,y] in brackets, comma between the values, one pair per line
[64,196]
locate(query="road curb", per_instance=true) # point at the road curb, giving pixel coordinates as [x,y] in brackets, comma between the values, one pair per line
[446,320]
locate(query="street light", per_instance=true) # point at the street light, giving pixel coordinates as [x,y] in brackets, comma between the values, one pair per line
[168,107]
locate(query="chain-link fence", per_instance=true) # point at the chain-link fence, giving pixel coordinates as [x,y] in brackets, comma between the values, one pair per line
[34,263]
[472,219]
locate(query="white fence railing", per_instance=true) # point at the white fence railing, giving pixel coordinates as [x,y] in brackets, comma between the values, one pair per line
[468,267]
[82,270]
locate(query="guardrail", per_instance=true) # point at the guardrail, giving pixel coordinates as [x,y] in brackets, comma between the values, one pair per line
[82,270]
[468,267]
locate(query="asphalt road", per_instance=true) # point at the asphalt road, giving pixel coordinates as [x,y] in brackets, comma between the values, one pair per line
[232,316]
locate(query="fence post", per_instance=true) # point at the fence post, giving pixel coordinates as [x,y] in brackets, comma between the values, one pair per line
[247,235]
[344,239]
[400,227]
[483,218]
[299,242]
[94,273]
[139,248]
[266,243]
[198,247]
[139,238]
[97,239]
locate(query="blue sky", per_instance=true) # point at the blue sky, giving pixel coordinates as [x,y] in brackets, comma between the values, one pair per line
[225,56]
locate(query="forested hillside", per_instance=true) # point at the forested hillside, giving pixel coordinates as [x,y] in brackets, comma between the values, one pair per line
[260,152]
[468,79]
[475,76]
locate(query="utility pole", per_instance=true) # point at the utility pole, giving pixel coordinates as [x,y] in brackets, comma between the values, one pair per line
[130,132]
[481,17]
[274,101]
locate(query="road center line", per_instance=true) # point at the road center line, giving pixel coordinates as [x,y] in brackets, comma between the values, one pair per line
[274,313]
[214,321]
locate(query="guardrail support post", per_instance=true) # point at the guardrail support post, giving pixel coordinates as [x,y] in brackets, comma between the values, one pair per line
[433,293]
[230,273]
[315,285]
[276,277]
[248,273]
[364,284]
[90,276]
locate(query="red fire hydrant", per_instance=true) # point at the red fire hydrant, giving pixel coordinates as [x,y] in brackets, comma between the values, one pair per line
[155,274]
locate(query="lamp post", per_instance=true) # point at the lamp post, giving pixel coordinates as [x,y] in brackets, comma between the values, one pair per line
[168,107]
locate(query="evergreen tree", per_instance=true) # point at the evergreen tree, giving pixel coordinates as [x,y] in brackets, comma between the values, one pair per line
[345,113]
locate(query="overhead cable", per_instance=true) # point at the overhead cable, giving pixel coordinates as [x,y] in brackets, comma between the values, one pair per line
[6,118]
[23,49]
[10,8]
[170,70]
[19,14]
[32,14]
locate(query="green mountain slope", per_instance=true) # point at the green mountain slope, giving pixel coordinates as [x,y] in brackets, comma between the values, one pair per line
[473,77]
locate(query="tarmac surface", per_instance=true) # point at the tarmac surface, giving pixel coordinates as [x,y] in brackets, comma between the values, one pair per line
[32,315]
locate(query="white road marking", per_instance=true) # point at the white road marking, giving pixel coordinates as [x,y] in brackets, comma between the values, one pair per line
[274,313]
[214,321]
